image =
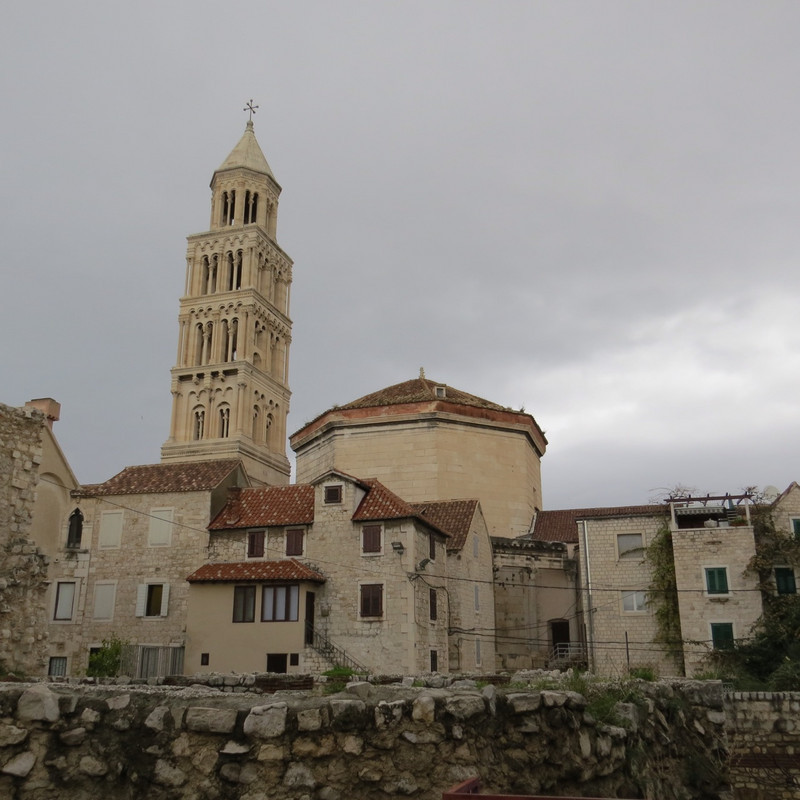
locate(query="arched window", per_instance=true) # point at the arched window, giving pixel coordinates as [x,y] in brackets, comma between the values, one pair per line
[206,269]
[256,429]
[199,423]
[212,278]
[224,422]
[198,344]
[234,334]
[237,281]
[229,271]
[267,426]
[228,207]
[75,529]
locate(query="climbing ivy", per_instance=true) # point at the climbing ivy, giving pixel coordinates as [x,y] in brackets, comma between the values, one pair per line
[662,596]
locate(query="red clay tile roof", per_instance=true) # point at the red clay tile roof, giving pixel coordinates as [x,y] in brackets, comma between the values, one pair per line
[265,506]
[194,476]
[289,569]
[562,526]
[381,503]
[452,516]
[420,390]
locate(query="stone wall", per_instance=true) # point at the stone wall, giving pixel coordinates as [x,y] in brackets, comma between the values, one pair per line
[763,736]
[370,741]
[23,569]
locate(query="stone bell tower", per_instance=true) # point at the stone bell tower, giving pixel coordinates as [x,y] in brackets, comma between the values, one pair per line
[230,384]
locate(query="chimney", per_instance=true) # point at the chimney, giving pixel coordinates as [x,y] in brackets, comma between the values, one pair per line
[49,407]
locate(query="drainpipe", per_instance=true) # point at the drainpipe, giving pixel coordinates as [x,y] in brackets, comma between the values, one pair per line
[589,606]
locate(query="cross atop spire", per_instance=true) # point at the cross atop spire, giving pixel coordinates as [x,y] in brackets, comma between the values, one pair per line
[251,108]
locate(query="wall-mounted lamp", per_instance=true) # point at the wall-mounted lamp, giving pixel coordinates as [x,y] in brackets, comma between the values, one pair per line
[398,547]
[422,564]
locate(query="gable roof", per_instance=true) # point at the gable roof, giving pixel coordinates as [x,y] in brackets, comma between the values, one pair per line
[452,516]
[288,569]
[420,390]
[562,526]
[184,476]
[266,506]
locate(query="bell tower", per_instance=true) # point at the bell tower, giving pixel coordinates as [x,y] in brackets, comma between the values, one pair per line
[230,384]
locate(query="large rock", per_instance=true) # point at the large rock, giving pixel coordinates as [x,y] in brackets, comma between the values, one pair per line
[38,703]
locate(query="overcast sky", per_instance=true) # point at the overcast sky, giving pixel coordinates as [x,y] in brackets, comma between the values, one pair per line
[589,209]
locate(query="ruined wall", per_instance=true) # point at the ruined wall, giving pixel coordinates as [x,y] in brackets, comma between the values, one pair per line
[763,737]
[23,570]
[367,742]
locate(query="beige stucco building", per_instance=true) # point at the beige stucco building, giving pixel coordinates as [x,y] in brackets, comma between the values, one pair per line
[230,383]
[429,441]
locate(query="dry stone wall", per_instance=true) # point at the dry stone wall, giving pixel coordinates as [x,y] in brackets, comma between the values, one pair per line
[23,569]
[369,741]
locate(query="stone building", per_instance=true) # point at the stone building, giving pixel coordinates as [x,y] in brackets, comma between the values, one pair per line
[298,573]
[144,531]
[230,383]
[429,441]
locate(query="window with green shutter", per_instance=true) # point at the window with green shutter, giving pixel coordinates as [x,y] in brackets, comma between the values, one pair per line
[784,580]
[717,580]
[722,635]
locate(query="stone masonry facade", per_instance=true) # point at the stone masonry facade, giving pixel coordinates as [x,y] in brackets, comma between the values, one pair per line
[23,569]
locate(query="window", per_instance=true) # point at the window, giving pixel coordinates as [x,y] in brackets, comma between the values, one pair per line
[795,523]
[75,529]
[477,652]
[104,595]
[717,580]
[244,603]
[475,546]
[629,545]
[57,667]
[371,539]
[333,494]
[477,593]
[634,601]
[255,544]
[276,662]
[280,603]
[432,604]
[294,659]
[204,659]
[784,580]
[110,529]
[434,660]
[722,635]
[294,542]
[65,599]
[371,599]
[224,423]
[441,392]
[431,547]
[160,534]
[152,600]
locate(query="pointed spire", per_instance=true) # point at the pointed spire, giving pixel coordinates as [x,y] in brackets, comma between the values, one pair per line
[247,154]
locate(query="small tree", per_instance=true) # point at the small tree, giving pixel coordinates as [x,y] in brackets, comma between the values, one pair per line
[105,661]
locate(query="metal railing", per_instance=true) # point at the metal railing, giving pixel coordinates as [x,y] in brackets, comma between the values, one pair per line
[319,642]
[567,652]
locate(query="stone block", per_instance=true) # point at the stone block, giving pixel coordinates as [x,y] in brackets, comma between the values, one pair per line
[210,720]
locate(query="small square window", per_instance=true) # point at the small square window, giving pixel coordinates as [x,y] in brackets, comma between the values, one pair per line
[333,494]
[371,539]
[629,545]
[204,659]
[785,581]
[65,599]
[160,532]
[717,580]
[722,635]
[441,392]
[294,659]
[634,601]
[294,542]
[155,591]
[57,667]
[255,544]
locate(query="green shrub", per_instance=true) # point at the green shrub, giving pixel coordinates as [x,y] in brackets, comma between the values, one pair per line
[105,661]
[643,673]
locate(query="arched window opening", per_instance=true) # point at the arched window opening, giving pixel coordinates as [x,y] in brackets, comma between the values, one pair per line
[224,422]
[226,336]
[224,216]
[250,207]
[267,427]
[206,269]
[198,344]
[238,279]
[199,423]
[229,271]
[228,207]
[208,338]
[234,334]
[254,207]
[75,529]
[212,279]
[256,360]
